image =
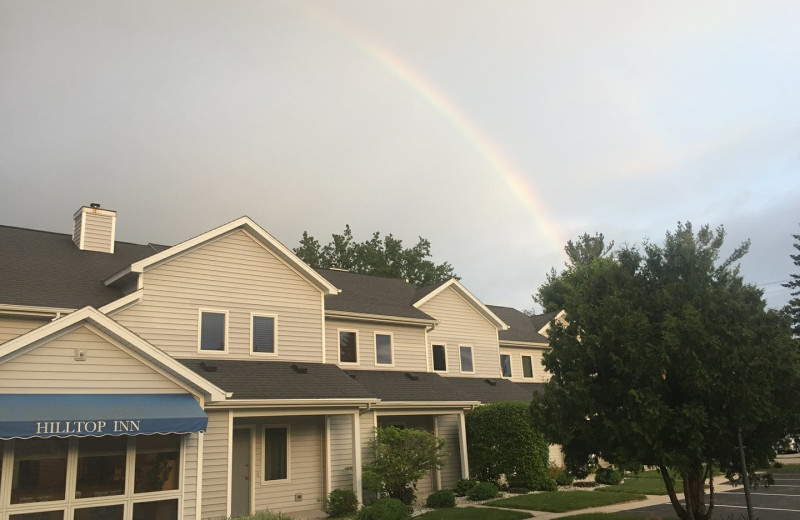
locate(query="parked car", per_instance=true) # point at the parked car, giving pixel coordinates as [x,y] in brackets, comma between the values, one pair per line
[789,444]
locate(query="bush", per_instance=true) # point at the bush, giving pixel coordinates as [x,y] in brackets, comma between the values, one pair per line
[518,490]
[777,465]
[502,440]
[609,476]
[482,491]
[385,509]
[560,475]
[547,484]
[439,499]
[464,485]
[401,458]
[341,502]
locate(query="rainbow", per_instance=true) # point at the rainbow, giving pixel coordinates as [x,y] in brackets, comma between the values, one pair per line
[511,175]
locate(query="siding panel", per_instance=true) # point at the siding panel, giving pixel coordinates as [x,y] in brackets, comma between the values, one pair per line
[52,368]
[10,328]
[236,274]
[215,466]
[341,435]
[540,375]
[461,324]
[408,344]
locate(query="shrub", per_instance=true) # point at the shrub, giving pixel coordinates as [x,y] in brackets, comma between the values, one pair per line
[547,484]
[777,465]
[518,490]
[502,440]
[439,499]
[609,476]
[341,502]
[464,485]
[559,475]
[401,458]
[482,491]
[385,509]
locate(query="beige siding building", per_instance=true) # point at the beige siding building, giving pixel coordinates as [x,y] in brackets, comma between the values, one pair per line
[224,376]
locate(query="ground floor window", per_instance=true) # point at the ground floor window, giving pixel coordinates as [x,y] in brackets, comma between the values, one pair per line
[276,453]
[91,478]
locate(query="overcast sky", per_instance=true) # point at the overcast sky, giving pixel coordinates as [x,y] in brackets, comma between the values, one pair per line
[498,130]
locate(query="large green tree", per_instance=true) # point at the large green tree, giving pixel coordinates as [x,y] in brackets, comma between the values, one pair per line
[377,256]
[664,354]
[793,307]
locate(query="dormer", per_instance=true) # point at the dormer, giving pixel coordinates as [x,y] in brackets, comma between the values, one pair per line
[94,228]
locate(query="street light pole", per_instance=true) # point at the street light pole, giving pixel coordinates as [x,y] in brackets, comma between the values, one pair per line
[745,478]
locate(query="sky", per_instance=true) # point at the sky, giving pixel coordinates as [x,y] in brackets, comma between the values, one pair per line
[497,130]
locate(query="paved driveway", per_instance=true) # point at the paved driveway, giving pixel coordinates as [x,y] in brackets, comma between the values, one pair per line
[780,501]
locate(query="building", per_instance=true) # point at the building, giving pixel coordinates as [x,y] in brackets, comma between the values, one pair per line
[223,375]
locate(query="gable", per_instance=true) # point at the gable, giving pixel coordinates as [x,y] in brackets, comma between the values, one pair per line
[106,367]
[454,313]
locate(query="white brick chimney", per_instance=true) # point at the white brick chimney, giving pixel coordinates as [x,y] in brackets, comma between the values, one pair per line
[94,228]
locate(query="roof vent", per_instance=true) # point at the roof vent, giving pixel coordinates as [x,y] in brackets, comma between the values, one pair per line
[207,368]
[491,382]
[94,228]
[299,370]
[412,376]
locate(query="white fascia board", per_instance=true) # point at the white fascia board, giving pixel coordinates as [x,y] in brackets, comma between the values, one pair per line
[34,311]
[357,316]
[523,344]
[469,297]
[122,303]
[295,403]
[423,406]
[247,224]
[561,316]
[117,331]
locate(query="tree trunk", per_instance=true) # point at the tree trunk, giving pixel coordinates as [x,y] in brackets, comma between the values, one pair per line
[694,491]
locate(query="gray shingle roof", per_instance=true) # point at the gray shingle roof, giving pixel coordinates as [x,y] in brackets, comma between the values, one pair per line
[521,326]
[41,268]
[495,390]
[366,294]
[390,385]
[278,379]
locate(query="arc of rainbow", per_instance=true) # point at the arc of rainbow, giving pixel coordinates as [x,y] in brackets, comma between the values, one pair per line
[491,153]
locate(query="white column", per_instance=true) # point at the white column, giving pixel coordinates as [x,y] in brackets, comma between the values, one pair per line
[438,472]
[328,467]
[462,441]
[357,457]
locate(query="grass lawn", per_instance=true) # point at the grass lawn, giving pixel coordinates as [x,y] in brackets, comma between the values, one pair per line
[473,513]
[646,482]
[787,468]
[561,501]
[612,516]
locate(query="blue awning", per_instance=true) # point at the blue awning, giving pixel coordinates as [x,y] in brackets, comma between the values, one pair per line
[79,415]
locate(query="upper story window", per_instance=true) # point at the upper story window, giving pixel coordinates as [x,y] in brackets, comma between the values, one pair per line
[439,358]
[383,349]
[527,367]
[348,346]
[263,334]
[505,365]
[466,358]
[213,331]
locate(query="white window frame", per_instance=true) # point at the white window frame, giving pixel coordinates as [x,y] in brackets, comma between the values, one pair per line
[433,362]
[200,350]
[523,367]
[461,361]
[391,348]
[253,316]
[70,503]
[263,479]
[510,368]
[339,347]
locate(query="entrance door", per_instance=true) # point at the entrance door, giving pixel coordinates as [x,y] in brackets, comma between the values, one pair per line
[241,479]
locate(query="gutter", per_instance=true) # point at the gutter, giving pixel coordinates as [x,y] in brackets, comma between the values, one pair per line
[379,318]
[293,403]
[34,311]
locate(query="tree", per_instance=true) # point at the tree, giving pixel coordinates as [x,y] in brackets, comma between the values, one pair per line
[502,440]
[377,256]
[663,355]
[793,307]
[401,458]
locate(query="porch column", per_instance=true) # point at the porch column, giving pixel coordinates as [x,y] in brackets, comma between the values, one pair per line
[437,472]
[357,457]
[462,441]
[327,462]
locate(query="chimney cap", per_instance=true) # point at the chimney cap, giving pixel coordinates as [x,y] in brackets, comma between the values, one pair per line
[94,205]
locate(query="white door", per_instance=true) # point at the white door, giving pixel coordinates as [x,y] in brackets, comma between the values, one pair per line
[242,478]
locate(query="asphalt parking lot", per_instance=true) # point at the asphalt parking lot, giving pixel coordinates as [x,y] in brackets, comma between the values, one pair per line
[781,501]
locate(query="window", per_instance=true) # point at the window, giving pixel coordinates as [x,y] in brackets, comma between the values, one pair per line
[466,359]
[213,331]
[383,349]
[276,453]
[262,333]
[89,478]
[505,365]
[348,348]
[527,367]
[439,358]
